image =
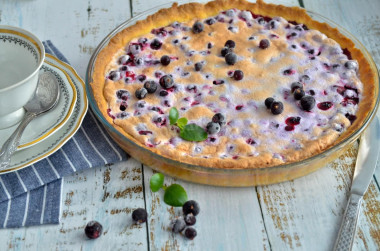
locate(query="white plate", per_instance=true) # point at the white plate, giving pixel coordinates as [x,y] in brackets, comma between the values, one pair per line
[46,124]
[28,156]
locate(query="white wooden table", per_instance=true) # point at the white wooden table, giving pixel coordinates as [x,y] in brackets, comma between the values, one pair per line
[303,214]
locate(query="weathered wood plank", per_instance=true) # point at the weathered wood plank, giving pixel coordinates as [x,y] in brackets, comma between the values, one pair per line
[108,195]
[75,27]
[360,17]
[306,213]
[296,211]
[230,218]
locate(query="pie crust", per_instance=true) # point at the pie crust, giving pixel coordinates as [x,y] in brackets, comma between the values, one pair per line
[104,88]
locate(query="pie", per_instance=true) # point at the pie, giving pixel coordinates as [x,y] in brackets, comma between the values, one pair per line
[267,83]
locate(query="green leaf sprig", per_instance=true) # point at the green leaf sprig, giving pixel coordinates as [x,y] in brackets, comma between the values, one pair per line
[189,132]
[175,195]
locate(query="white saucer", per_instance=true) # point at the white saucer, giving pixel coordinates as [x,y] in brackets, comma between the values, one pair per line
[49,145]
[47,124]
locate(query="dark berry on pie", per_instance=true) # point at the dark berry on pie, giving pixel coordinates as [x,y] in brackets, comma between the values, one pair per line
[192,88]
[123,68]
[212,128]
[289,128]
[114,75]
[178,225]
[93,229]
[192,207]
[210,21]
[165,60]
[304,78]
[293,34]
[218,82]
[123,107]
[225,51]
[350,117]
[289,72]
[141,93]
[231,58]
[250,141]
[135,48]
[190,233]
[123,94]
[166,82]
[273,24]
[238,75]
[351,65]
[140,104]
[230,44]
[325,105]
[163,93]
[311,51]
[150,86]
[139,215]
[298,93]
[141,78]
[268,102]
[123,59]
[198,66]
[312,92]
[264,43]
[307,103]
[261,20]
[156,44]
[292,121]
[198,27]
[296,85]
[276,107]
[219,118]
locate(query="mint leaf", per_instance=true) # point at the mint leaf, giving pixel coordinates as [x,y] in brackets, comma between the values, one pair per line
[181,123]
[192,132]
[175,195]
[156,182]
[173,115]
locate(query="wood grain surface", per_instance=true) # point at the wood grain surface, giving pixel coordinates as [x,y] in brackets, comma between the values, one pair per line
[303,214]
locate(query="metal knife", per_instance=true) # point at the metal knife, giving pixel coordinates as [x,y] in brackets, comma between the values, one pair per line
[366,163]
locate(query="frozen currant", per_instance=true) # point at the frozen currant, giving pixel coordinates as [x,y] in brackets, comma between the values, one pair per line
[190,219]
[139,215]
[178,225]
[93,229]
[190,233]
[192,207]
[276,107]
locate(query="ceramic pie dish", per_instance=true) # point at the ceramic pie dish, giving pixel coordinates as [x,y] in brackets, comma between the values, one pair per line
[221,61]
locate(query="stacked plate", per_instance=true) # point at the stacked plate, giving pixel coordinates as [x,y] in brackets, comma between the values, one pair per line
[48,132]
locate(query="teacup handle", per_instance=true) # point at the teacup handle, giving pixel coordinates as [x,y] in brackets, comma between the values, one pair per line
[13,141]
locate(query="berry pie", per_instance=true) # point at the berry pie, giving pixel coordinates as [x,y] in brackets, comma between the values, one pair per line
[265,83]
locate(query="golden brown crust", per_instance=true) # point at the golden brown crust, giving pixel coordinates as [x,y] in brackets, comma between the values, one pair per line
[190,11]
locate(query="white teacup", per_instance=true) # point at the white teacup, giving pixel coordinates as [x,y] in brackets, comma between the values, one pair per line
[21,57]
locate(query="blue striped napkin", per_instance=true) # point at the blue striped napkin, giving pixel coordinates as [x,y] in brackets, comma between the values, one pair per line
[32,195]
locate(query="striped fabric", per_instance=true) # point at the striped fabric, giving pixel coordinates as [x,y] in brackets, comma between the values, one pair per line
[32,195]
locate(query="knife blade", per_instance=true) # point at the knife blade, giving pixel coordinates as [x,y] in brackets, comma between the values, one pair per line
[367,159]
[366,163]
